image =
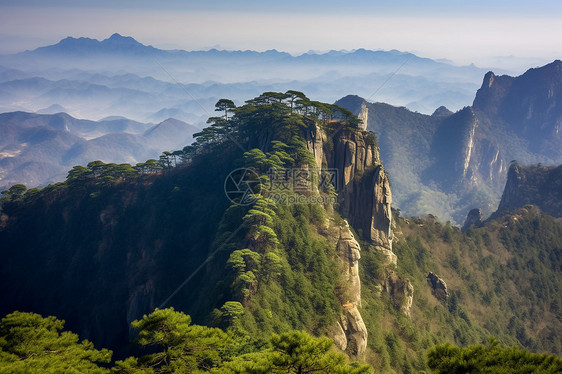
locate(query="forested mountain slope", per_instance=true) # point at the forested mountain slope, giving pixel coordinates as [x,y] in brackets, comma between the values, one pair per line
[274,253]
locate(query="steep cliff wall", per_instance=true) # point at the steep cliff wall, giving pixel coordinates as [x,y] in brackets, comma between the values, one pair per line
[350,332]
[530,104]
[446,164]
[363,187]
[536,185]
[364,199]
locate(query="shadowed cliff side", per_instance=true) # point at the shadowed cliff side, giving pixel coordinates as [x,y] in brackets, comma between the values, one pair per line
[364,199]
[449,163]
[364,194]
[535,185]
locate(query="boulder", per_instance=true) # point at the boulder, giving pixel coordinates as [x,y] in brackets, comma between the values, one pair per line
[438,286]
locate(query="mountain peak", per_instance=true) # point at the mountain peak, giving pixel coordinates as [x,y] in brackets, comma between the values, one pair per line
[488,79]
[442,111]
[119,39]
[351,102]
[80,47]
[116,36]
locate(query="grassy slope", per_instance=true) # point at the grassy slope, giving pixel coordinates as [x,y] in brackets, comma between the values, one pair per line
[503,280]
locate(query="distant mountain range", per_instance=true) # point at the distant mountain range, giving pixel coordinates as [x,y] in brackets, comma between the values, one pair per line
[448,163]
[445,163]
[36,149]
[120,76]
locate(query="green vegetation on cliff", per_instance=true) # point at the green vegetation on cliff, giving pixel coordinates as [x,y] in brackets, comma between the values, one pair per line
[502,280]
[128,237]
[30,343]
[493,359]
[112,243]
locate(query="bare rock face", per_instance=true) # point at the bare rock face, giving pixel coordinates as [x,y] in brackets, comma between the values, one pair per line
[379,224]
[363,186]
[438,286]
[364,115]
[533,185]
[337,334]
[401,291]
[354,337]
[355,330]
[349,252]
[364,199]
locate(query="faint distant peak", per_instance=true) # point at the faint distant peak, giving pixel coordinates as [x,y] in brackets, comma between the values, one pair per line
[53,109]
[69,40]
[118,36]
[173,121]
[442,111]
[115,44]
[123,40]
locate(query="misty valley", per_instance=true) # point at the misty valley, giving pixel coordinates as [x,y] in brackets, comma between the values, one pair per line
[214,211]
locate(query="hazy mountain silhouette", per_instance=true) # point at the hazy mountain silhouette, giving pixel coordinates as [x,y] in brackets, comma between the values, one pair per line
[37,149]
[121,62]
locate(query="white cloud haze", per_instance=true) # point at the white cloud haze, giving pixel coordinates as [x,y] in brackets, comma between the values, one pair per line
[464,37]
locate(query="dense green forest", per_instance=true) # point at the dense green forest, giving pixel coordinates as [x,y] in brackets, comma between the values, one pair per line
[265,257]
[30,343]
[114,247]
[503,280]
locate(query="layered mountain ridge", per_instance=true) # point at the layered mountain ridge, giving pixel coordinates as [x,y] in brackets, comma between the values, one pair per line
[37,149]
[102,249]
[124,77]
[449,163]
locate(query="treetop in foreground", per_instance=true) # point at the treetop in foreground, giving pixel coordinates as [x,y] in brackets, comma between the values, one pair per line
[493,359]
[30,343]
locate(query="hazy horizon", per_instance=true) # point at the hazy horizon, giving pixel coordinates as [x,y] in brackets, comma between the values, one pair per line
[484,33]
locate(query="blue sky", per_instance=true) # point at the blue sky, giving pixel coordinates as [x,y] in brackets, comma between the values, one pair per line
[462,31]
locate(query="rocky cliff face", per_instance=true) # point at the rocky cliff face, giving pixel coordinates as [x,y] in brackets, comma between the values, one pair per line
[365,200]
[438,286]
[460,160]
[531,104]
[350,332]
[474,218]
[535,185]
[401,290]
[363,186]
